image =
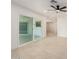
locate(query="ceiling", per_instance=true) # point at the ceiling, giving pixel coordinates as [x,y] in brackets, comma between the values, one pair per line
[39,5]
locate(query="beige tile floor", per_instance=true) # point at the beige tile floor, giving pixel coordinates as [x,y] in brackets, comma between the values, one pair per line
[48,48]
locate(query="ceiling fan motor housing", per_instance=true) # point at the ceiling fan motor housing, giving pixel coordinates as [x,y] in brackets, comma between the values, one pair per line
[58,7]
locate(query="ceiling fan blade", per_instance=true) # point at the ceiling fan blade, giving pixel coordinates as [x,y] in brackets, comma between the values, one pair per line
[63,7]
[63,10]
[53,7]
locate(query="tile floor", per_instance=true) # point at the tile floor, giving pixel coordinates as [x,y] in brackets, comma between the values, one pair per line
[48,48]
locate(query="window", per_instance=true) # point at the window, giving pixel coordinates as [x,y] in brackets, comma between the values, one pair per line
[38,24]
[23,27]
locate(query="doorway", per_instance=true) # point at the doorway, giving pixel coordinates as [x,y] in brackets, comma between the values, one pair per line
[25,29]
[51,29]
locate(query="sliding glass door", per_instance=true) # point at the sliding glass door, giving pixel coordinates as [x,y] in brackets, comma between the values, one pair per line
[25,29]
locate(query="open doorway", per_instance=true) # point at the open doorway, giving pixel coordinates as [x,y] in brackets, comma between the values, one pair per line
[51,29]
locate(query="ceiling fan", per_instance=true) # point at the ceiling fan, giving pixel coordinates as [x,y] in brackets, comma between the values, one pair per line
[57,7]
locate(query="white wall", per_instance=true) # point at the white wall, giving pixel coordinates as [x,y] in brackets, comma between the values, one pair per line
[16,11]
[62,25]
